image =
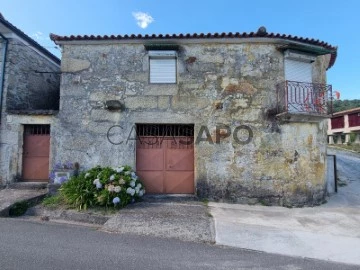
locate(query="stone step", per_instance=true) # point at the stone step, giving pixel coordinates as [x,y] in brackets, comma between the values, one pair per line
[169,198]
[28,185]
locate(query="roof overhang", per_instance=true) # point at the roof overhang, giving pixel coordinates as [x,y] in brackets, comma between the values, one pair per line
[282,42]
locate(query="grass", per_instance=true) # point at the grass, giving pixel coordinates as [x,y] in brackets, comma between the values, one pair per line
[353,146]
[57,202]
[103,211]
[205,202]
[53,201]
[341,183]
[264,202]
[18,209]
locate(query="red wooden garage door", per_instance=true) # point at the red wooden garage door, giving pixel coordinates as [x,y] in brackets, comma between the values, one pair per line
[165,158]
[36,153]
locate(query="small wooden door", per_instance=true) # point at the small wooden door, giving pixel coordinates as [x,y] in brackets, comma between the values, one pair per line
[165,158]
[36,150]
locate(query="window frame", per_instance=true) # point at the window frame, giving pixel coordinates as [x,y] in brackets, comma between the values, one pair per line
[163,54]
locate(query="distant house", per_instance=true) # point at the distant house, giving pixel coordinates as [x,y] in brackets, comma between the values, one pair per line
[344,127]
[227,116]
[29,97]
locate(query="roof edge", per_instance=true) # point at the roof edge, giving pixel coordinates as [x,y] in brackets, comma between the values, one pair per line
[353,110]
[31,41]
[261,33]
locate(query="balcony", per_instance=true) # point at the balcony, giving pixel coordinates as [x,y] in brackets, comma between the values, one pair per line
[304,98]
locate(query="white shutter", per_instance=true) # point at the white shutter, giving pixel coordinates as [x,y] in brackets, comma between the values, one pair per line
[298,71]
[163,70]
[297,96]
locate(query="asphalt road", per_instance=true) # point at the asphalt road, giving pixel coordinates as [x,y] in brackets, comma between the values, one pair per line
[30,245]
[348,167]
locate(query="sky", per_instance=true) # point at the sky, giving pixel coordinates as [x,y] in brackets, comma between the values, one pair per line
[333,21]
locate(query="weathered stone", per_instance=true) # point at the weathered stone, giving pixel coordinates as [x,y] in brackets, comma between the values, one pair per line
[141,102]
[233,86]
[26,87]
[104,115]
[31,87]
[230,84]
[188,103]
[74,65]
[161,90]
[163,102]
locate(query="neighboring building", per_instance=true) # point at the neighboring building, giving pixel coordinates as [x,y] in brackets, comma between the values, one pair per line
[344,127]
[268,90]
[29,97]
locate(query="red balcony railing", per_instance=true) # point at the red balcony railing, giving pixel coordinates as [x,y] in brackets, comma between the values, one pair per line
[303,97]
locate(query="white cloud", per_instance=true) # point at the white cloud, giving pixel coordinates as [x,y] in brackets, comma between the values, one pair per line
[39,36]
[143,19]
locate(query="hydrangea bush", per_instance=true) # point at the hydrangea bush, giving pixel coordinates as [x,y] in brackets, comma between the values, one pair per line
[103,186]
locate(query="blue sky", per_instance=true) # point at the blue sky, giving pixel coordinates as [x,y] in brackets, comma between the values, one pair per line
[336,22]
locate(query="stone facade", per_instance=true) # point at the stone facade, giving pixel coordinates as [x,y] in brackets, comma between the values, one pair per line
[218,83]
[28,98]
[26,87]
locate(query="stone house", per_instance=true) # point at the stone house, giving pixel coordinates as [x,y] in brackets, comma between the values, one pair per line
[231,117]
[29,97]
[344,127]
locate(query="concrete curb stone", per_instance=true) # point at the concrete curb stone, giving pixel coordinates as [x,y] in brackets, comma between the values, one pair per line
[67,215]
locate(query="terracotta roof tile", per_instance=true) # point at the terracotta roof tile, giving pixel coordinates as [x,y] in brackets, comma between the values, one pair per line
[261,33]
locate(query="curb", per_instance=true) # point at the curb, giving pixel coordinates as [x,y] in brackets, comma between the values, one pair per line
[344,150]
[5,212]
[67,215]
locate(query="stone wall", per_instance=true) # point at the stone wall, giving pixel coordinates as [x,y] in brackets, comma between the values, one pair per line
[218,84]
[27,91]
[26,88]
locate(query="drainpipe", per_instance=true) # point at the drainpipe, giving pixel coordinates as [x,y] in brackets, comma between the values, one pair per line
[2,82]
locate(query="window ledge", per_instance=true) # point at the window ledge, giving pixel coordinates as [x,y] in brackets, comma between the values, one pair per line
[161,89]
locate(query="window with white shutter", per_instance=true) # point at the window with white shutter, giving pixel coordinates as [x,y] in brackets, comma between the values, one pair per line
[298,71]
[298,68]
[162,66]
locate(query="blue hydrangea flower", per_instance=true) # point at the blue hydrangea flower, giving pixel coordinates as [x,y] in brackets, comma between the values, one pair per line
[116,200]
[98,185]
[63,179]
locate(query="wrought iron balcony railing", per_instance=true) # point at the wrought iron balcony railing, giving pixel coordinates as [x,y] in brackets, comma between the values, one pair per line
[303,97]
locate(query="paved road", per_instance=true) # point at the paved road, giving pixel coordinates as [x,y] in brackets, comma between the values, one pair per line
[348,166]
[327,232]
[31,245]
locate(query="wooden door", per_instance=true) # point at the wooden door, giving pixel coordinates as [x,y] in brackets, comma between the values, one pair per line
[36,150]
[165,163]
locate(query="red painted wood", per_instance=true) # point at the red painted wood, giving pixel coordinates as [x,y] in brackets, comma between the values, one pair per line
[36,157]
[165,165]
[354,120]
[337,122]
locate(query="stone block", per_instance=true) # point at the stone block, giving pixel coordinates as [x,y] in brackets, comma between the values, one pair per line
[74,65]
[100,115]
[189,103]
[163,102]
[161,89]
[141,102]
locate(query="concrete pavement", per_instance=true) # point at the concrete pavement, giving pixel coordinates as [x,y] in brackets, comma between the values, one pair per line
[8,197]
[33,245]
[320,233]
[187,220]
[327,232]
